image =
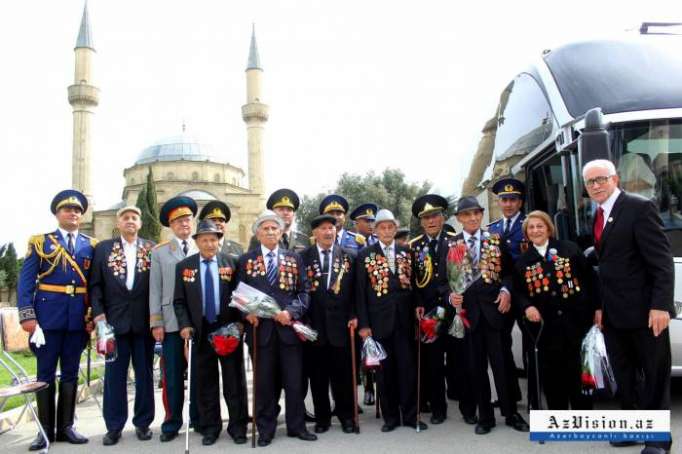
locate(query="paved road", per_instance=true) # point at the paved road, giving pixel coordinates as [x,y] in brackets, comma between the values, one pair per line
[454,436]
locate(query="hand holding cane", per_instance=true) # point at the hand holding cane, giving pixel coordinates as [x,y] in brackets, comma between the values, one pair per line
[356,420]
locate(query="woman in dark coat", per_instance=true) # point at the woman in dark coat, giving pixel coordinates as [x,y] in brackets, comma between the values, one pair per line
[554,283]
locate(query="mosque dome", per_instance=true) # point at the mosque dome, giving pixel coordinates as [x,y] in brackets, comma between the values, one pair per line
[183,147]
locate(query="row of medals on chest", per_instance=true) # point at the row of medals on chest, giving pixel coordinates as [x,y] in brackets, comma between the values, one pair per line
[381,277]
[286,271]
[538,281]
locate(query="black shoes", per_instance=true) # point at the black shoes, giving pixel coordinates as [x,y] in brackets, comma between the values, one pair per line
[168,436]
[209,439]
[46,415]
[517,422]
[38,443]
[264,441]
[143,433]
[471,420]
[239,439]
[348,427]
[369,397]
[437,419]
[321,428]
[111,438]
[388,427]
[483,429]
[66,409]
[654,450]
[422,425]
[70,435]
[303,435]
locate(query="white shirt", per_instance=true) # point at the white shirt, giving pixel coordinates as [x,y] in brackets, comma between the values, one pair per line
[191,248]
[389,252]
[542,249]
[477,243]
[321,255]
[130,251]
[65,235]
[511,221]
[339,236]
[607,206]
[265,251]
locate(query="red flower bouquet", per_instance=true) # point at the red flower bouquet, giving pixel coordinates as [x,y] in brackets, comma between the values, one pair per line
[430,324]
[461,274]
[106,341]
[225,339]
[597,374]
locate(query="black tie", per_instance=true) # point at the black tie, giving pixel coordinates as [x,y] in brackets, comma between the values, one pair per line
[507,226]
[185,247]
[285,241]
[70,243]
[325,266]
[432,249]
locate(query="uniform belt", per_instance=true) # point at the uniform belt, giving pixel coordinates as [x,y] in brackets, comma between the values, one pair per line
[67,289]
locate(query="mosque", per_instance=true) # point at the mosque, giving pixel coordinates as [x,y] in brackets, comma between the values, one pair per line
[180,165]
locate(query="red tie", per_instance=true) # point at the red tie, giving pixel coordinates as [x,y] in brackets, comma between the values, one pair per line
[598,228]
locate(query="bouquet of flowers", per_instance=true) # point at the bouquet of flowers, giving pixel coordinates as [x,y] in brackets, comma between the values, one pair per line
[597,374]
[372,353]
[430,324]
[106,341]
[304,332]
[225,339]
[252,301]
[461,274]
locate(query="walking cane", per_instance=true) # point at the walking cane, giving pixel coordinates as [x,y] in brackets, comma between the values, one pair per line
[419,379]
[188,393]
[356,419]
[254,360]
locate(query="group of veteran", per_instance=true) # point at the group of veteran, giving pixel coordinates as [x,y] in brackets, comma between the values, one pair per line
[373,279]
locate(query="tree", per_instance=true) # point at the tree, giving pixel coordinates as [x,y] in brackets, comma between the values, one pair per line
[388,190]
[9,265]
[146,202]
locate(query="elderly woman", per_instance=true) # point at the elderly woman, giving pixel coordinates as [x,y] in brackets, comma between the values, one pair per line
[554,284]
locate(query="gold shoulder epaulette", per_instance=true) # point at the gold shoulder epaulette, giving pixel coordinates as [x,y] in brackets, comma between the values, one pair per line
[37,242]
[161,244]
[415,239]
[360,239]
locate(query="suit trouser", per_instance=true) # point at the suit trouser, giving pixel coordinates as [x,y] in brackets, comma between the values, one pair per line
[139,348]
[277,359]
[331,365]
[433,375]
[208,388]
[633,351]
[512,376]
[485,344]
[173,369]
[397,379]
[65,347]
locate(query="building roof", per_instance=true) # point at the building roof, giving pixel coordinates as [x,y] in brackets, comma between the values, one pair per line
[84,35]
[641,73]
[198,194]
[254,58]
[182,147]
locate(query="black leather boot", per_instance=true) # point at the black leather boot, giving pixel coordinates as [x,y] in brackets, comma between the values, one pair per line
[46,415]
[66,408]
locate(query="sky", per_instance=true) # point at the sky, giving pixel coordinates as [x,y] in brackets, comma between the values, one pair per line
[352,86]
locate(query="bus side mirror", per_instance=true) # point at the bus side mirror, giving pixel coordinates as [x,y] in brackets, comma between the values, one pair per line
[593,142]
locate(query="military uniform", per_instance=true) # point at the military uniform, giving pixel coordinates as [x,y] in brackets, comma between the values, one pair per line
[52,290]
[350,241]
[217,210]
[366,211]
[510,232]
[165,257]
[292,239]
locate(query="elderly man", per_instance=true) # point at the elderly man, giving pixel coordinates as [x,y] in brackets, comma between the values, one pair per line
[51,297]
[279,273]
[429,262]
[220,214]
[385,308]
[486,302]
[119,294]
[637,283]
[201,305]
[284,202]
[332,312]
[178,214]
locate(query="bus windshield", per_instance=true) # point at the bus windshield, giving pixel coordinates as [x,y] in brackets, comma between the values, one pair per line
[648,157]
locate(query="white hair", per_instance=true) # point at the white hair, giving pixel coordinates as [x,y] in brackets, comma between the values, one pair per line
[600,163]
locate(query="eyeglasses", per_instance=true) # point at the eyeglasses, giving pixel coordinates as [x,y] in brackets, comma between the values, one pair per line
[597,180]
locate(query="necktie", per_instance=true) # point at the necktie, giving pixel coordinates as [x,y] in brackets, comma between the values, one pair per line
[433,244]
[185,247]
[391,259]
[209,295]
[70,243]
[285,241]
[598,227]
[507,226]
[272,269]
[325,266]
[473,250]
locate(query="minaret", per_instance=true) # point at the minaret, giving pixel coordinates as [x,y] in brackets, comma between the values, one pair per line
[83,97]
[255,115]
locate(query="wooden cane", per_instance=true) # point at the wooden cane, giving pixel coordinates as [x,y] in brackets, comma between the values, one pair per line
[419,379]
[356,419]
[254,359]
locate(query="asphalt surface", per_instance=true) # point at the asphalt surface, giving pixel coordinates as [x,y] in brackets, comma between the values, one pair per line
[453,436]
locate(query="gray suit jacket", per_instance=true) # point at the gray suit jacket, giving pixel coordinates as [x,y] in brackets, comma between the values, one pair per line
[162,283]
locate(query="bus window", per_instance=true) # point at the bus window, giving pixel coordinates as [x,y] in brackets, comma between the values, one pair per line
[648,158]
[547,193]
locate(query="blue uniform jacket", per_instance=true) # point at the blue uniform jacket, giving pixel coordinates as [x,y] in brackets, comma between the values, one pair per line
[45,262]
[514,239]
[352,241]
